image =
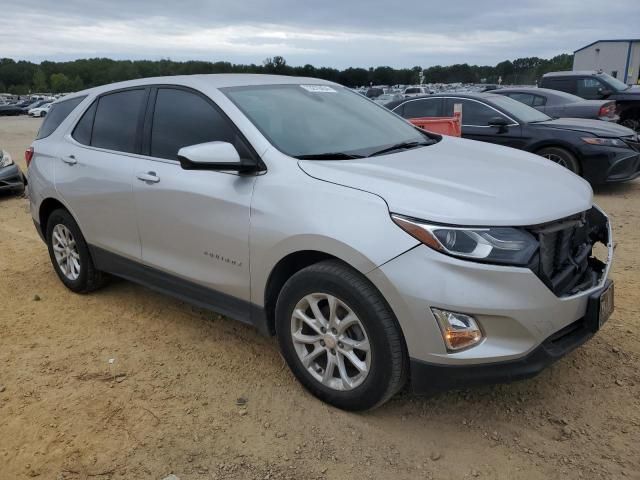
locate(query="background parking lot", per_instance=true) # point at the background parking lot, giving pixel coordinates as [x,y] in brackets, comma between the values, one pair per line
[127,383]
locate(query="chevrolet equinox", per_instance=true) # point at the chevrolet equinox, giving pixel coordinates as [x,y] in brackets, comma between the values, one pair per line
[376,252]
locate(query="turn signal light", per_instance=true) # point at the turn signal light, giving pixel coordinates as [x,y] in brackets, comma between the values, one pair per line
[28,155]
[459,331]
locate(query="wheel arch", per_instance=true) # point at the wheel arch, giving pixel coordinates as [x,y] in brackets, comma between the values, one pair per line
[283,271]
[47,207]
[555,143]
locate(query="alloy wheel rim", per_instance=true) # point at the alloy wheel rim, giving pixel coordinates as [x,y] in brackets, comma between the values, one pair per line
[331,341]
[556,159]
[66,252]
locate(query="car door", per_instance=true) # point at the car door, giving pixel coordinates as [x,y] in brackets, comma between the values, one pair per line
[475,122]
[94,170]
[194,224]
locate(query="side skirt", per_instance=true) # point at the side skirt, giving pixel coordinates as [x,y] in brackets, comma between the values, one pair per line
[190,292]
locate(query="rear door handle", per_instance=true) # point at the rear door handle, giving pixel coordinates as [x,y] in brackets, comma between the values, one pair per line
[149,177]
[70,159]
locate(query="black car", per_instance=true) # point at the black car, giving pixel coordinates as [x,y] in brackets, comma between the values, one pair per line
[36,104]
[7,110]
[599,86]
[562,104]
[601,152]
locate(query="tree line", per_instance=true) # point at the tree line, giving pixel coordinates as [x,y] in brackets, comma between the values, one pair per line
[23,77]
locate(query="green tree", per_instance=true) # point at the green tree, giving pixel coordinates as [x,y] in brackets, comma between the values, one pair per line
[40,81]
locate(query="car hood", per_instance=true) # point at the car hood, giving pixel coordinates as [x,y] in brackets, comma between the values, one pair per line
[593,127]
[463,182]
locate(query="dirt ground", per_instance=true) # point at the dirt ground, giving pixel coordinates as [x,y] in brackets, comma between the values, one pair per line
[128,384]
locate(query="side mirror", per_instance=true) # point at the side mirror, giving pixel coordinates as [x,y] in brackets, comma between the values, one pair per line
[212,156]
[499,122]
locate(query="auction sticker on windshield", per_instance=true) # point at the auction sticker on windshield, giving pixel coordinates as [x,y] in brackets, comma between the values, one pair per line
[318,88]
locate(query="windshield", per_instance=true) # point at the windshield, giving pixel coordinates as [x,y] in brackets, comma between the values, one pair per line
[614,83]
[520,111]
[307,120]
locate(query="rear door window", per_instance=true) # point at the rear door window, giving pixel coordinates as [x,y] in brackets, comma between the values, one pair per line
[525,98]
[588,88]
[56,115]
[539,101]
[182,118]
[562,84]
[117,120]
[474,114]
[423,108]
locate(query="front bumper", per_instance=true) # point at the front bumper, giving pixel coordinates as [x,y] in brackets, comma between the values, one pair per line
[518,313]
[11,178]
[431,378]
[609,164]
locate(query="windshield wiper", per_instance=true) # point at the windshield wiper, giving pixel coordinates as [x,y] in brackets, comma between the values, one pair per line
[401,146]
[328,156]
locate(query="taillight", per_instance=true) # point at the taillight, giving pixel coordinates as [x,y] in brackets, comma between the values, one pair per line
[28,155]
[607,110]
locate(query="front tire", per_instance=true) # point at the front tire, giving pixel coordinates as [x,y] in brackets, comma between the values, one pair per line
[340,338]
[70,255]
[562,157]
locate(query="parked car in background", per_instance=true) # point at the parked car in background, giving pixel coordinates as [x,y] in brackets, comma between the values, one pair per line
[601,152]
[40,111]
[35,104]
[388,97]
[558,104]
[11,178]
[415,91]
[298,206]
[374,92]
[593,85]
[10,110]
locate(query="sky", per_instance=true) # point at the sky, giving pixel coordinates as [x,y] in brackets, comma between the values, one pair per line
[333,33]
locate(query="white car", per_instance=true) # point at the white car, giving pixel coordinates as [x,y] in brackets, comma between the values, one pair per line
[415,91]
[40,111]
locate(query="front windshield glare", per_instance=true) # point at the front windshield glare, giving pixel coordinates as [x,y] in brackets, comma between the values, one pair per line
[307,120]
[520,111]
[614,83]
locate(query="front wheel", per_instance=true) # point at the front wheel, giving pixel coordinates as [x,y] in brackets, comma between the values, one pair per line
[562,157]
[340,338]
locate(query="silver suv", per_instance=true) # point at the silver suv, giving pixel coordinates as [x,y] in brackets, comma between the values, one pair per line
[374,251]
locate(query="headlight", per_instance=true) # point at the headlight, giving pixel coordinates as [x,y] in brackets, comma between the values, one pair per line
[5,159]
[605,142]
[502,245]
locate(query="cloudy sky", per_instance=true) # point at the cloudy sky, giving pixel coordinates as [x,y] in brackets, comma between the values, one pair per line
[337,33]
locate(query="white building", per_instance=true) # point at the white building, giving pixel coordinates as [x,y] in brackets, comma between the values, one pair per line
[618,58]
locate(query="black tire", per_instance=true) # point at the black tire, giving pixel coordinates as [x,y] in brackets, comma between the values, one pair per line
[89,278]
[389,361]
[561,156]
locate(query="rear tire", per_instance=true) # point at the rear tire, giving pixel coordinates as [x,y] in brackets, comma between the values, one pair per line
[369,341]
[70,255]
[562,157]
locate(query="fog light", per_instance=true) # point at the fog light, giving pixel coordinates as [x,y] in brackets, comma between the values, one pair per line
[459,331]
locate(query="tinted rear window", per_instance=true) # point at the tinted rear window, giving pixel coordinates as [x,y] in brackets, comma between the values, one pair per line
[58,112]
[115,126]
[82,132]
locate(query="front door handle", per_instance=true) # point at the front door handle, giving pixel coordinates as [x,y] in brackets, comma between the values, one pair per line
[149,177]
[70,159]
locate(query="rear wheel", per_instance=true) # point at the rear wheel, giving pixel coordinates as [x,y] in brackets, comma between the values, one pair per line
[562,157]
[70,255]
[339,337]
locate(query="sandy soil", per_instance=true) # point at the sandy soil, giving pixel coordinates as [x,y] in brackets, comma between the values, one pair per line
[168,401]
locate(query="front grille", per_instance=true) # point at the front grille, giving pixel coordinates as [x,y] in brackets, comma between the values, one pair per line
[565,260]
